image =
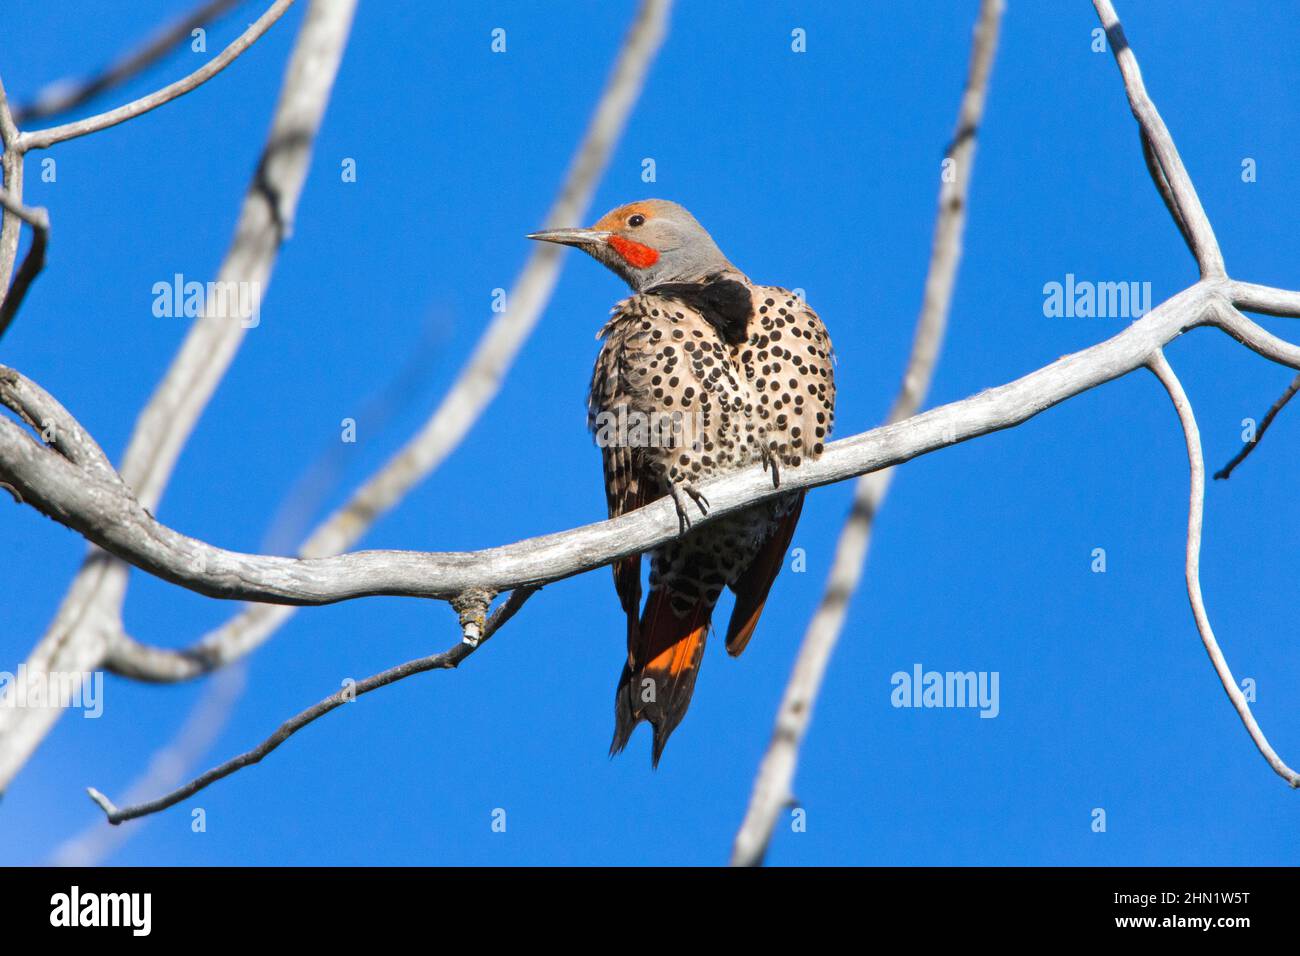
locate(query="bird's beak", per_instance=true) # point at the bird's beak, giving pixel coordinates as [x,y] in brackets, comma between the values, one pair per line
[571,237]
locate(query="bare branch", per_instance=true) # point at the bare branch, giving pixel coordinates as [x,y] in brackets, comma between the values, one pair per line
[446,660]
[1177,188]
[11,171]
[64,95]
[8,129]
[35,216]
[39,219]
[105,512]
[170,765]
[233,640]
[1236,324]
[1162,186]
[1160,366]
[55,425]
[90,616]
[43,138]
[474,388]
[1226,471]
[772,786]
[1255,337]
[1265,299]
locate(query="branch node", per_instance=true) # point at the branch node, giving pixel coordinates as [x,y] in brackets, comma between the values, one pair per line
[472,605]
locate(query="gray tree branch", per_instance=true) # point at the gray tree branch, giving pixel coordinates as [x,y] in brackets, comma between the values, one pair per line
[88,621]
[167,768]
[106,512]
[11,172]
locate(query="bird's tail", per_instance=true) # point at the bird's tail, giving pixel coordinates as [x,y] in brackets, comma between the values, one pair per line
[663,660]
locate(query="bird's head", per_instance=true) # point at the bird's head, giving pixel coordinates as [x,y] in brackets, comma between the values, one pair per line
[647,243]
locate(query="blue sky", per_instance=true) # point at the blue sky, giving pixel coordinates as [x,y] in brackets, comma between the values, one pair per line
[816,170]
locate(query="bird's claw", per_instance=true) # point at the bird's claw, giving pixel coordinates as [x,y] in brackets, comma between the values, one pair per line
[701,502]
[769,460]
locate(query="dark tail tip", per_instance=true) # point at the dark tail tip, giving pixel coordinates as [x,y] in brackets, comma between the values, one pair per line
[627,716]
[660,741]
[625,719]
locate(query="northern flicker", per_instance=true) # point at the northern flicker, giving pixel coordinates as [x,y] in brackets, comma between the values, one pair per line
[701,372]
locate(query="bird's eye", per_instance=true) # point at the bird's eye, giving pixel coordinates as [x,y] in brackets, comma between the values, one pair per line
[637,220]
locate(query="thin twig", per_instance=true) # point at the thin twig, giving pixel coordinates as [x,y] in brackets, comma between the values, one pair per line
[65,95]
[1226,471]
[39,219]
[446,660]
[1187,417]
[772,786]
[43,138]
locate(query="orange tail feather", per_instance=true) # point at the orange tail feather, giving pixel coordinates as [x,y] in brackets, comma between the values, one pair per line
[659,677]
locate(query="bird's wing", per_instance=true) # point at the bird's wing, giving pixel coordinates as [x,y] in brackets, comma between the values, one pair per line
[808,370]
[627,485]
[818,349]
[795,350]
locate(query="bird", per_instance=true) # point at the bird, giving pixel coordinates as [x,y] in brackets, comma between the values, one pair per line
[700,373]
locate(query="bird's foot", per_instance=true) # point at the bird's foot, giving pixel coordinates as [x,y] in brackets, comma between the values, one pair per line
[770,461]
[677,489]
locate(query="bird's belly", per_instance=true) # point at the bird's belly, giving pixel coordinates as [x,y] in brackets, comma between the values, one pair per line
[715,555]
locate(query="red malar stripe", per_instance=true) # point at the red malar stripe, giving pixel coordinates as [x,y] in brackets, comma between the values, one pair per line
[633,253]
